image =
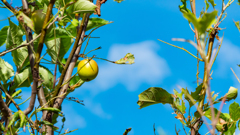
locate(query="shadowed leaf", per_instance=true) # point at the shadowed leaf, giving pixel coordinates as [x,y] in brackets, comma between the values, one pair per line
[154,95]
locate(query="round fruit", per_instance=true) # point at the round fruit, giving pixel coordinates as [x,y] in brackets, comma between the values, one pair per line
[87,69]
[38,18]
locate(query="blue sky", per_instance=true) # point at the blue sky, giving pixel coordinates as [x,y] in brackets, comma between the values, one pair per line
[110,99]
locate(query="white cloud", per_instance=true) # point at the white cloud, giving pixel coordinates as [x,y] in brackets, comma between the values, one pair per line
[96,109]
[149,68]
[228,57]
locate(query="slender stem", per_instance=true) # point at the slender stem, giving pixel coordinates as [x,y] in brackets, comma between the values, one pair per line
[31,59]
[181,49]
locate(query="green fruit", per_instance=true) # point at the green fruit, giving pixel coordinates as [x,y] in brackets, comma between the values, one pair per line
[38,18]
[87,69]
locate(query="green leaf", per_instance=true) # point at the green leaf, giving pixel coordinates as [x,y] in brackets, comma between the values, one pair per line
[92,23]
[128,59]
[41,3]
[14,119]
[3,35]
[23,79]
[95,22]
[22,118]
[49,109]
[48,124]
[201,24]
[177,104]
[231,129]
[14,36]
[61,3]
[183,8]
[61,47]
[212,3]
[2,127]
[14,39]
[207,5]
[232,93]
[75,22]
[25,20]
[46,76]
[119,1]
[234,111]
[6,71]
[16,93]
[154,95]
[81,6]
[186,93]
[208,114]
[58,33]
[20,57]
[75,82]
[196,94]
[237,25]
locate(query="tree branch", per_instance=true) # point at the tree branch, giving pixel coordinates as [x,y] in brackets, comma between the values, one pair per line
[73,55]
[31,59]
[4,108]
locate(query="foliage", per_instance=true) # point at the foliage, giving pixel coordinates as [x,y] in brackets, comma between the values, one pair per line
[64,32]
[205,28]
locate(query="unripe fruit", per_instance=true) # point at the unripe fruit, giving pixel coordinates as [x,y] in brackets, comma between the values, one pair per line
[87,69]
[38,18]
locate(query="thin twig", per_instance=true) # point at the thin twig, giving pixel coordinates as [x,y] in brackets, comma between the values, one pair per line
[181,49]
[235,75]
[20,46]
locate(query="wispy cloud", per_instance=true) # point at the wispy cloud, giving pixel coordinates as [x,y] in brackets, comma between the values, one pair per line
[228,57]
[149,68]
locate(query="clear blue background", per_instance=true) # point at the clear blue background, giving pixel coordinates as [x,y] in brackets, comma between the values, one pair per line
[110,99]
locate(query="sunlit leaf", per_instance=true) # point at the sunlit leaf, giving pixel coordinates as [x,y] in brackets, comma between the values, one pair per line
[75,22]
[6,71]
[154,95]
[14,36]
[208,114]
[92,23]
[232,93]
[202,23]
[212,3]
[237,25]
[119,1]
[46,76]
[57,48]
[58,33]
[127,59]
[207,5]
[14,39]
[183,8]
[234,111]
[24,19]
[81,6]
